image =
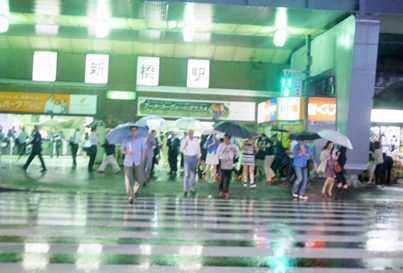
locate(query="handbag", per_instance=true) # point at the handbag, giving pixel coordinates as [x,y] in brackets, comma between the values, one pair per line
[338,168]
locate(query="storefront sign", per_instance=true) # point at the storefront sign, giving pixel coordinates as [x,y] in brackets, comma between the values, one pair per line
[322,109]
[290,108]
[96,68]
[267,111]
[198,73]
[199,109]
[148,71]
[19,102]
[44,66]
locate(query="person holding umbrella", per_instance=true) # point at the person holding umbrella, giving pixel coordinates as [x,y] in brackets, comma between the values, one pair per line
[301,155]
[190,147]
[227,153]
[134,150]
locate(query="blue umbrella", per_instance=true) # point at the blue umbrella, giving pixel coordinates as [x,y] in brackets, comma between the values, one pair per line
[233,129]
[122,132]
[304,135]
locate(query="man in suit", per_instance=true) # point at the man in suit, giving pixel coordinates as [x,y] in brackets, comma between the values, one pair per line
[36,143]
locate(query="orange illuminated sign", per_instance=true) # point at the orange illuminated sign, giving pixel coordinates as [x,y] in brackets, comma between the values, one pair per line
[322,109]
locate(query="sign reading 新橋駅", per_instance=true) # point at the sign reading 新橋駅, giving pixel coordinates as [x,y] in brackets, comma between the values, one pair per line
[199,109]
[19,102]
[322,109]
[148,71]
[198,73]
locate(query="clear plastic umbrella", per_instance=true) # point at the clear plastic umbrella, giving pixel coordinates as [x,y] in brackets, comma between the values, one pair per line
[122,132]
[152,122]
[187,124]
[336,137]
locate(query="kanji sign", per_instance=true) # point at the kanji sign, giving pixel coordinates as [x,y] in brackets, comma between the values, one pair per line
[198,73]
[322,109]
[148,71]
[96,68]
[44,66]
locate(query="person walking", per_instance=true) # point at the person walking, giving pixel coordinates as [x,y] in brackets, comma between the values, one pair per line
[330,170]
[248,163]
[190,147]
[212,158]
[378,155]
[387,168]
[173,144]
[301,156]
[92,149]
[227,153]
[340,170]
[134,150]
[260,155]
[268,162]
[323,157]
[151,144]
[74,142]
[22,142]
[36,150]
[109,158]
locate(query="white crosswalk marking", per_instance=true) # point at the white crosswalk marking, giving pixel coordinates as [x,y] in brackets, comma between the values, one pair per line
[85,233]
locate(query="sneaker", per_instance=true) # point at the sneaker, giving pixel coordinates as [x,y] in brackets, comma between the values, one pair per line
[303,197]
[339,185]
[252,185]
[294,195]
[130,200]
[43,170]
[345,187]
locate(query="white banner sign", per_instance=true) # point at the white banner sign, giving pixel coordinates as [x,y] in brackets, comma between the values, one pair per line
[83,104]
[96,68]
[198,74]
[148,71]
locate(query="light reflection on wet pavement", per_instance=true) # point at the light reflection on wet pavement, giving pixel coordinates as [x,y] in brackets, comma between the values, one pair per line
[49,232]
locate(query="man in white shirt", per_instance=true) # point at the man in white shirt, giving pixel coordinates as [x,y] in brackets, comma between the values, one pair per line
[74,142]
[190,147]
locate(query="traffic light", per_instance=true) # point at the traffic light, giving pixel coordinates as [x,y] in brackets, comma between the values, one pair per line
[286,86]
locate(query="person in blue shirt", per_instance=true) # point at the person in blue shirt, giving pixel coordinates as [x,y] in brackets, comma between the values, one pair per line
[301,155]
[134,150]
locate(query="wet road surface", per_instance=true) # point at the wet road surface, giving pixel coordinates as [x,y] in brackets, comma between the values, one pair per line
[63,232]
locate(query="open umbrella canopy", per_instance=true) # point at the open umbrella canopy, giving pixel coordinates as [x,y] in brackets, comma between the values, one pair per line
[336,137]
[122,132]
[304,135]
[185,124]
[233,129]
[152,122]
[280,130]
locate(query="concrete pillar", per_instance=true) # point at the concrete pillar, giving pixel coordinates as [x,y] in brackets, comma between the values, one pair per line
[354,118]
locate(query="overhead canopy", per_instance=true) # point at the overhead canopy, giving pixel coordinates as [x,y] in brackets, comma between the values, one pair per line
[221,32]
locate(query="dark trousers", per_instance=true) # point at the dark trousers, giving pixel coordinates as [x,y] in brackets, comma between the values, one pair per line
[173,162]
[92,153]
[387,174]
[341,178]
[379,174]
[32,156]
[22,149]
[224,181]
[74,150]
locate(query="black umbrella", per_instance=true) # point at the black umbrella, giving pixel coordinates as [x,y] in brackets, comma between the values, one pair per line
[275,129]
[305,135]
[233,129]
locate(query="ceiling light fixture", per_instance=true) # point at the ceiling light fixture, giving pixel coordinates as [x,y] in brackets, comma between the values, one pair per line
[281,25]
[4,24]
[280,37]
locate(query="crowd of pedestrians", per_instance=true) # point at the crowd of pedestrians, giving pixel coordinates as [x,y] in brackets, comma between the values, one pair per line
[212,158]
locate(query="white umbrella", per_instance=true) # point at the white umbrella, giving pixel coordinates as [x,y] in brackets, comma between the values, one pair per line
[187,124]
[210,132]
[152,122]
[336,137]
